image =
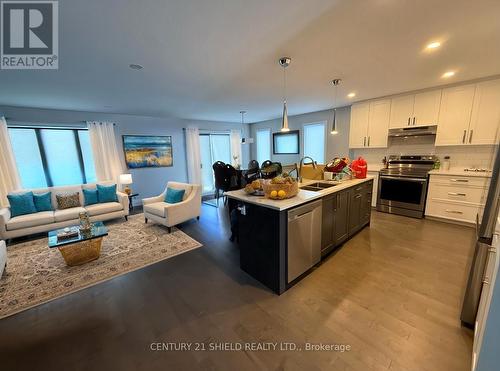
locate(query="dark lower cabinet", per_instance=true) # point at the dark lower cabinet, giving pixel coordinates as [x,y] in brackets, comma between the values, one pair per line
[344,214]
[366,203]
[328,224]
[262,242]
[355,196]
[341,217]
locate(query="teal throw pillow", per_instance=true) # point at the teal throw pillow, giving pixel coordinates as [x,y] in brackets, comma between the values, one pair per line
[21,204]
[90,197]
[43,201]
[174,196]
[106,193]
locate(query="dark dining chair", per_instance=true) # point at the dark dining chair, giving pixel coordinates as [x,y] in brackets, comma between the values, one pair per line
[270,169]
[226,179]
[219,176]
[253,171]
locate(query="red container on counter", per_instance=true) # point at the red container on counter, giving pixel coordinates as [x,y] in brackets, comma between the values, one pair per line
[359,168]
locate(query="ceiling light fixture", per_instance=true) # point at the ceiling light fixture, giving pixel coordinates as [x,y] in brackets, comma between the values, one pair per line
[335,83]
[135,66]
[243,117]
[351,95]
[284,62]
[433,45]
[448,74]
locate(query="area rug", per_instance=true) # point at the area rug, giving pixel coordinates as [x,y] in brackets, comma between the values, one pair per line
[36,274]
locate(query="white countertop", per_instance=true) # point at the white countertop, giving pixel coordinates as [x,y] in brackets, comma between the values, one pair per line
[302,197]
[460,172]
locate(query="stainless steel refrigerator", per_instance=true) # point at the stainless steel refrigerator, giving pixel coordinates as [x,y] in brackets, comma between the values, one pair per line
[484,231]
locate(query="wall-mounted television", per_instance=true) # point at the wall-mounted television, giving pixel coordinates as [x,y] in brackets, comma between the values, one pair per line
[286,143]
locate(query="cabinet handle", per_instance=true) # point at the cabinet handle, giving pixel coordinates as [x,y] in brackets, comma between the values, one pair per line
[413,120]
[357,196]
[368,141]
[463,138]
[457,194]
[454,211]
[470,136]
[486,281]
[408,121]
[460,180]
[364,142]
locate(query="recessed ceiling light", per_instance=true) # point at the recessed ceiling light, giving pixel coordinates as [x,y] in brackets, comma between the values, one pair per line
[448,74]
[136,66]
[351,95]
[433,45]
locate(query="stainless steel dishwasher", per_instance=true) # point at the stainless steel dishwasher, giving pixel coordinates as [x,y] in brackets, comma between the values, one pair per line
[304,238]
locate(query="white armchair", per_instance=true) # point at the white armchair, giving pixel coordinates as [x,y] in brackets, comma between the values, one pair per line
[157,210]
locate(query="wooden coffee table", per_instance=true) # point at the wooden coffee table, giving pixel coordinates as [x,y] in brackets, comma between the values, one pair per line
[80,249]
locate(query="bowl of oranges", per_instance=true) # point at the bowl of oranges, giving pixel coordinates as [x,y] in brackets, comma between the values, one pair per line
[280,187]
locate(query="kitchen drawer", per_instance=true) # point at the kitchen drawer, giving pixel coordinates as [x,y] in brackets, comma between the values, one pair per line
[452,192]
[453,211]
[460,180]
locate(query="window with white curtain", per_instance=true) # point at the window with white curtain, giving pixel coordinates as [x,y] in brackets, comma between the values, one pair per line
[47,157]
[314,141]
[263,145]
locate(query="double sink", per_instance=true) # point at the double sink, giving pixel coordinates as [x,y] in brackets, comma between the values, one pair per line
[318,186]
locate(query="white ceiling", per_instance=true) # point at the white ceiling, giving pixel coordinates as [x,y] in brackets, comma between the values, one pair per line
[210,59]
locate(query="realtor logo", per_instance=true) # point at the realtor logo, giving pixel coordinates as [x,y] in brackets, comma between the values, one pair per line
[29,35]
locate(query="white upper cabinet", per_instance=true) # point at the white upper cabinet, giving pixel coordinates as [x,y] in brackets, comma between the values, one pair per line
[455,115]
[415,110]
[359,125]
[369,124]
[465,115]
[426,108]
[378,123]
[401,111]
[485,120]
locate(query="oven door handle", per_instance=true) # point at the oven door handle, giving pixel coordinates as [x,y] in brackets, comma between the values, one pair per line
[404,178]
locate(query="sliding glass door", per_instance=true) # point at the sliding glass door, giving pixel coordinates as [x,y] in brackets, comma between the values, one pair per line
[213,147]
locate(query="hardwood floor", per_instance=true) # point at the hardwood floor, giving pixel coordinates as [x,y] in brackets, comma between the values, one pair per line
[393,293]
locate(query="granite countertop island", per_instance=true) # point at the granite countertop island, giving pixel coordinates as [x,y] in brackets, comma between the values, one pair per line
[302,197]
[281,241]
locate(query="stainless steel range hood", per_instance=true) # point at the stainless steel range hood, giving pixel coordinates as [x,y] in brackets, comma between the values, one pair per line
[413,131]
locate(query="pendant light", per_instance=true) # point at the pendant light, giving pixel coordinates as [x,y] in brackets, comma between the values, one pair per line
[243,117]
[284,62]
[333,131]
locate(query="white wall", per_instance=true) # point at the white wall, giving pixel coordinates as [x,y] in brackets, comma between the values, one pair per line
[147,181]
[337,145]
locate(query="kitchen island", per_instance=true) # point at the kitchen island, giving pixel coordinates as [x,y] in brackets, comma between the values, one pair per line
[282,240]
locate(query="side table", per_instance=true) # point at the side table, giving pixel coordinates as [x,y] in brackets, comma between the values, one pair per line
[130,199]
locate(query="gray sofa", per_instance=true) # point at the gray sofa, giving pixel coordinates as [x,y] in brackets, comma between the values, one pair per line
[45,221]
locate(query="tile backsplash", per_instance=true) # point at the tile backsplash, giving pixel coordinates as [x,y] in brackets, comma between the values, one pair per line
[460,156]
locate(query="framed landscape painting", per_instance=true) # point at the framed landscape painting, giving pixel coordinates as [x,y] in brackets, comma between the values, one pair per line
[147,151]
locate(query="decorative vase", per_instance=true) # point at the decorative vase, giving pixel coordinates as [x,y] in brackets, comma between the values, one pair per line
[84,221]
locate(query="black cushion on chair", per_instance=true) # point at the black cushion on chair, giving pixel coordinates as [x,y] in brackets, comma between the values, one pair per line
[270,169]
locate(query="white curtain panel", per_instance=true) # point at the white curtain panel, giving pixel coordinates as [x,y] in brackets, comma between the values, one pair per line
[9,176]
[193,155]
[236,148]
[108,165]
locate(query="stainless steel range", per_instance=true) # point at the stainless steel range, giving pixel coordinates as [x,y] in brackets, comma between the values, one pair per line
[402,186]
